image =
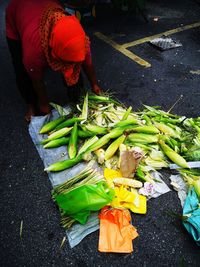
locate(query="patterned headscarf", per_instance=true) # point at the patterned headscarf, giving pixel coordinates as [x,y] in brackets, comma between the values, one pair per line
[64,42]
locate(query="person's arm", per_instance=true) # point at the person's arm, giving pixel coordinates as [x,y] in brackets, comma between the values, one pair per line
[40,89]
[90,73]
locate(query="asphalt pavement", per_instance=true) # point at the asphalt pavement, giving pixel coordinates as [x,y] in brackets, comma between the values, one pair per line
[25,190]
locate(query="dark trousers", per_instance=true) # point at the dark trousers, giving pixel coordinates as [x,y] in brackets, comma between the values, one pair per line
[24,82]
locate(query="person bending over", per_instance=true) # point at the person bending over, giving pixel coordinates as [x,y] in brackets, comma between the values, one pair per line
[41,34]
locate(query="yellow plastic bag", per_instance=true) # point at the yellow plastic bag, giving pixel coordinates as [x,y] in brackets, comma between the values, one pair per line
[116,232]
[124,198]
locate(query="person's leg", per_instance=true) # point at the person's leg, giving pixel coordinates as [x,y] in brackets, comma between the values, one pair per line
[23,80]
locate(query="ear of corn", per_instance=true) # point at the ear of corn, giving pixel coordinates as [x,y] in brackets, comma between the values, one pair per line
[149,129]
[63,165]
[147,119]
[68,123]
[142,138]
[94,129]
[126,122]
[110,151]
[56,135]
[167,130]
[116,132]
[100,143]
[85,133]
[57,142]
[127,182]
[72,147]
[100,98]
[48,127]
[87,144]
[100,153]
[126,114]
[172,155]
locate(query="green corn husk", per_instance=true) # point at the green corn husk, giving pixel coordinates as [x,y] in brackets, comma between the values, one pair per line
[85,134]
[63,165]
[59,189]
[57,142]
[173,156]
[94,129]
[87,144]
[142,138]
[126,122]
[196,185]
[48,127]
[110,151]
[126,114]
[102,99]
[142,176]
[147,119]
[100,143]
[84,113]
[58,134]
[193,155]
[116,132]
[68,123]
[72,147]
[149,129]
[168,120]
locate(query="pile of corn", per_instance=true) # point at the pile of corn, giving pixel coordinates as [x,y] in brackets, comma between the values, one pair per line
[102,128]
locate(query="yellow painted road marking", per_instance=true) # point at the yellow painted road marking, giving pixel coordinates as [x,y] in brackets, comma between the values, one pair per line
[123,48]
[197,72]
[166,33]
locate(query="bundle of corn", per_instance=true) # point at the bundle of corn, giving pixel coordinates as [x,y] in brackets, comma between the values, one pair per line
[102,125]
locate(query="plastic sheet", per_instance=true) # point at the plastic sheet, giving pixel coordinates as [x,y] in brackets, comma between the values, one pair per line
[48,156]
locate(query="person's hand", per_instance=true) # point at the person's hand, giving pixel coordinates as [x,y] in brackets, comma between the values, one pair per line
[96,89]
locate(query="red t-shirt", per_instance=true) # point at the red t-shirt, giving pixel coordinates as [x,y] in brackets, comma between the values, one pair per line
[22,23]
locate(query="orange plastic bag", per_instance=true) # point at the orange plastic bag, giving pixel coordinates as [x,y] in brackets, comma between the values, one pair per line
[116,231]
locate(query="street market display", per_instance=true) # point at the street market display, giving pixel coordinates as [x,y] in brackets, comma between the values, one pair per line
[128,148]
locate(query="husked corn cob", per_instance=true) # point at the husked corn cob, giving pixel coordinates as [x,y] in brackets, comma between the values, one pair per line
[100,153]
[127,182]
[48,127]
[58,134]
[72,147]
[57,142]
[110,151]
[172,155]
